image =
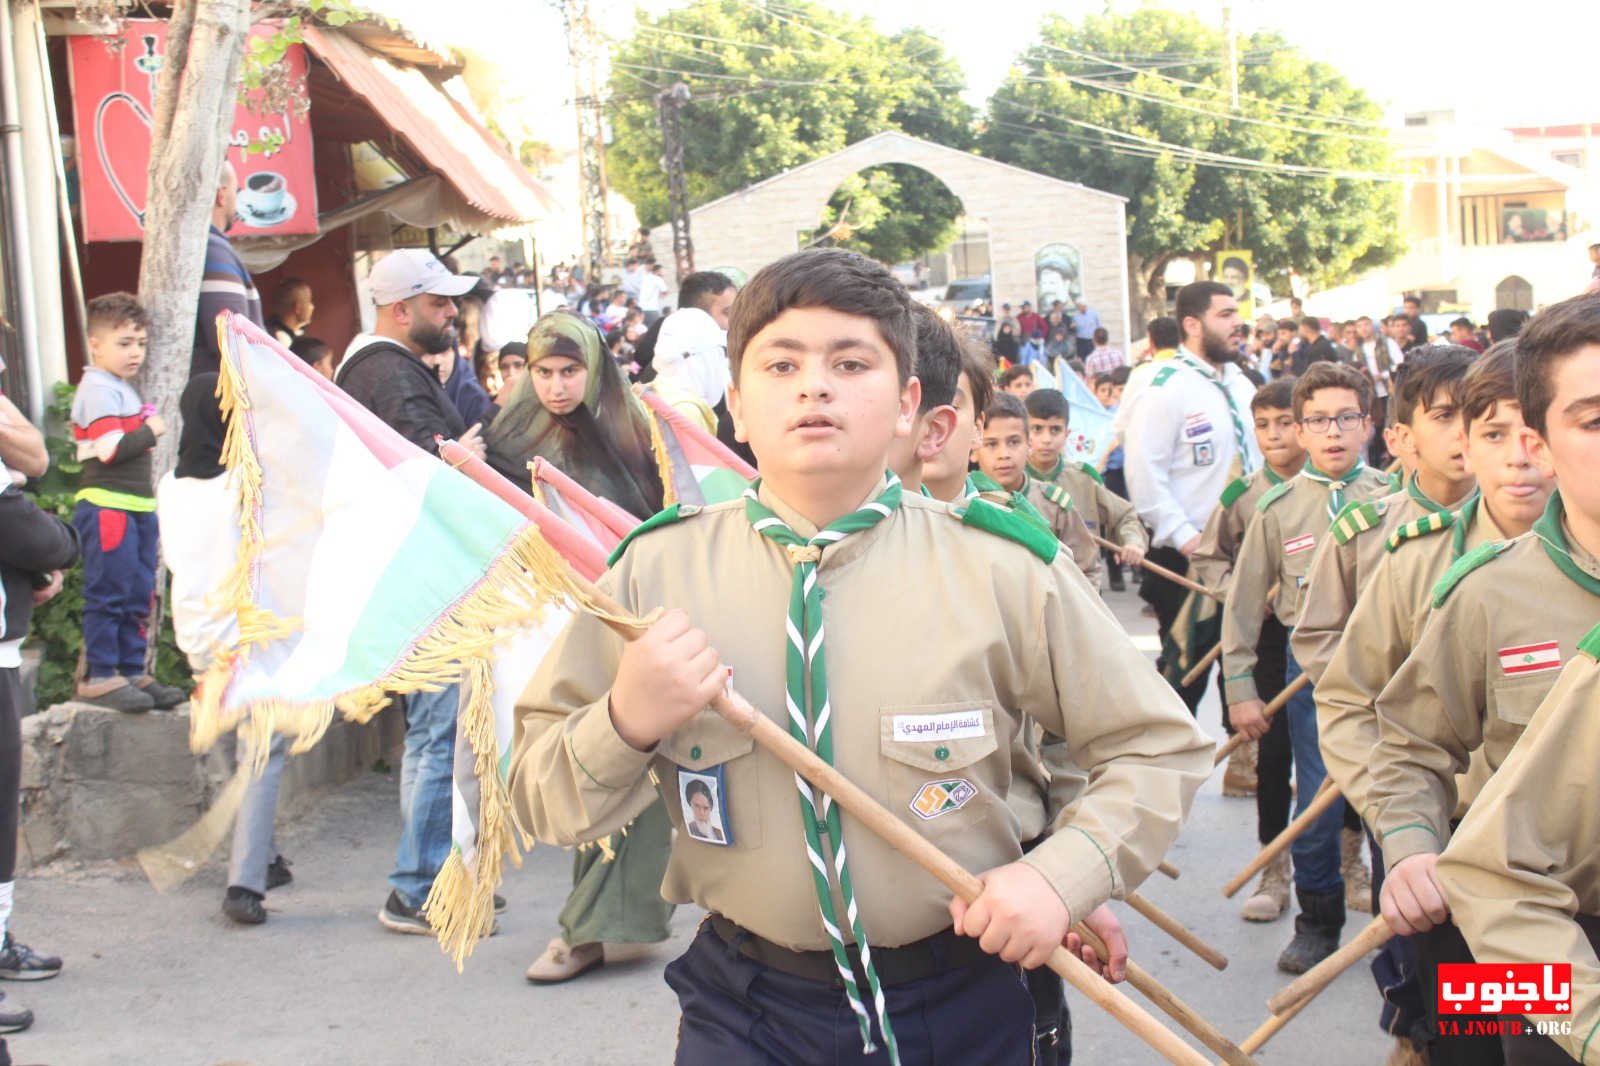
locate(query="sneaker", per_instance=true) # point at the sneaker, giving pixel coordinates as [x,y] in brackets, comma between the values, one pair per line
[278,873]
[14,1018]
[244,906]
[114,693]
[562,962]
[165,697]
[18,962]
[398,916]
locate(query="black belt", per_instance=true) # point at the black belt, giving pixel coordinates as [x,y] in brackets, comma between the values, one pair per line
[931,956]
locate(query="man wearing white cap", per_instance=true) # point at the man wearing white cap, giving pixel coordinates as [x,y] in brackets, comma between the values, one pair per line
[385,369]
[385,372]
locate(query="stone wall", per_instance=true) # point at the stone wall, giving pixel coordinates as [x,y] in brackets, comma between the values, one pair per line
[100,784]
[1024,211]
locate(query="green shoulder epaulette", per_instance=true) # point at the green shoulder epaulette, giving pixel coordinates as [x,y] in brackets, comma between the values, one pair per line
[1088,468]
[1420,527]
[1056,495]
[1164,374]
[1357,518]
[995,518]
[1466,565]
[1590,644]
[1236,488]
[676,513]
[1274,494]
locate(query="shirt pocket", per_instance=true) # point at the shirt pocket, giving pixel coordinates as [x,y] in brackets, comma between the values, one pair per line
[707,742]
[1513,702]
[941,768]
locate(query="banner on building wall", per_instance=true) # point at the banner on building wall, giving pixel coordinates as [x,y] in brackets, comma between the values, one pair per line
[113,89]
[1235,268]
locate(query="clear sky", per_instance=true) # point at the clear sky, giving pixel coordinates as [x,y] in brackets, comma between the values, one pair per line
[1408,54]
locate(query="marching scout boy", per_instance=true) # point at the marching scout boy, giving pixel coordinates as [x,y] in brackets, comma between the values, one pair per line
[945,474]
[1383,628]
[821,346]
[1103,511]
[1426,427]
[1522,875]
[1003,458]
[1044,781]
[1186,440]
[1331,404]
[1505,617]
[1264,765]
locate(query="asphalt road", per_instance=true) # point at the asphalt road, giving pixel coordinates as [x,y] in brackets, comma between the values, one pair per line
[167,980]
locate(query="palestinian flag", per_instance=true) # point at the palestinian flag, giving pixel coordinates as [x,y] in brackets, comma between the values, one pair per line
[600,520]
[696,468]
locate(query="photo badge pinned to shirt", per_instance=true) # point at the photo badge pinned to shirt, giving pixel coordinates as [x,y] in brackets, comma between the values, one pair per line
[1205,452]
[703,797]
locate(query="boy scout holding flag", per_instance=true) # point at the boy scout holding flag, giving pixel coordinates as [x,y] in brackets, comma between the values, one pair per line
[1505,617]
[1267,774]
[1331,403]
[821,346]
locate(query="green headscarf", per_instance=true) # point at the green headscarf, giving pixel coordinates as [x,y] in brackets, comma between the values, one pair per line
[603,444]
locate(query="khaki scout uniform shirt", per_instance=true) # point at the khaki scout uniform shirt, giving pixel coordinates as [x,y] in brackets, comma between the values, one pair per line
[1290,521]
[1504,619]
[1068,526]
[1019,647]
[1342,568]
[1103,511]
[1383,628]
[1528,857]
[1212,561]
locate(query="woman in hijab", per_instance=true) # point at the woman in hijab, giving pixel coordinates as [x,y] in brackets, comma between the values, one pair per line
[1005,342]
[573,407]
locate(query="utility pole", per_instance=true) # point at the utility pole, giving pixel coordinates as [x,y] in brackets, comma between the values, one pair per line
[670,102]
[583,50]
[1233,53]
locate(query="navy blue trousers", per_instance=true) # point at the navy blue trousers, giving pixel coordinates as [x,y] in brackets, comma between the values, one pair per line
[119,580]
[737,1012]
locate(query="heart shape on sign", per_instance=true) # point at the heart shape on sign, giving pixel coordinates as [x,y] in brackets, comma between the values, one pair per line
[118,137]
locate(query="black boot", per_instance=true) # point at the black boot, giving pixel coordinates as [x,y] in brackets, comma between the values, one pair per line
[1316,930]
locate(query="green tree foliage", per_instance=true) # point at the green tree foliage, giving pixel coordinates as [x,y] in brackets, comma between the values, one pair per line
[1122,73]
[778,84]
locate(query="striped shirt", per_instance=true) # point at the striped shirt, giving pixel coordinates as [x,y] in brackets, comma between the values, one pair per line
[225,285]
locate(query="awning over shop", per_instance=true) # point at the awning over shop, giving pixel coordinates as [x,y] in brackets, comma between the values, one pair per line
[484,188]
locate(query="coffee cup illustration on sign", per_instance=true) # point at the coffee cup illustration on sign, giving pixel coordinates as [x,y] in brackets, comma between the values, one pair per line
[265,200]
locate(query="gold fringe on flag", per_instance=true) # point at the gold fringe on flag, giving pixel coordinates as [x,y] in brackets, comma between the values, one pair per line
[658,444]
[527,578]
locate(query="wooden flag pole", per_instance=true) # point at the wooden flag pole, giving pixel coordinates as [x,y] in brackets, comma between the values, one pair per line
[909,842]
[1269,1028]
[1167,869]
[1278,703]
[1202,666]
[1156,568]
[1326,797]
[1170,1004]
[1301,990]
[1177,931]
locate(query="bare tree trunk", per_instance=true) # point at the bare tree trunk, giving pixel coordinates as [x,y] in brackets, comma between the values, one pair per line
[196,93]
[1147,296]
[195,97]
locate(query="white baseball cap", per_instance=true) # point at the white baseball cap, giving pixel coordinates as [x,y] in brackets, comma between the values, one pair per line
[410,272]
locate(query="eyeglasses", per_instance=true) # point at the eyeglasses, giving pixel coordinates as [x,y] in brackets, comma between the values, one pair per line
[1348,421]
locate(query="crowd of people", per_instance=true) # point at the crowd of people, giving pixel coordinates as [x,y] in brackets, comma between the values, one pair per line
[1366,504]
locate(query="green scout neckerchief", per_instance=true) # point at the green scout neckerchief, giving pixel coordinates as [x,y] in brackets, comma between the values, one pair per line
[1548,530]
[1215,377]
[1335,485]
[1271,475]
[806,692]
[1465,516]
[1421,498]
[1051,474]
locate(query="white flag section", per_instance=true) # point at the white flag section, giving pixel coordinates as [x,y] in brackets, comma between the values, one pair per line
[1088,423]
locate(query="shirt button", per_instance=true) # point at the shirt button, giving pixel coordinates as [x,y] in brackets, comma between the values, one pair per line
[694,752]
[941,753]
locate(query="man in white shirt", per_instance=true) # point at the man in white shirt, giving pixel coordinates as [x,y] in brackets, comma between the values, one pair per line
[652,287]
[1188,435]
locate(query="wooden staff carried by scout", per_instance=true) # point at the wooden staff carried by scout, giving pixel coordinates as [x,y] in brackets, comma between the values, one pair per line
[1278,703]
[733,707]
[1156,568]
[1327,795]
[1299,993]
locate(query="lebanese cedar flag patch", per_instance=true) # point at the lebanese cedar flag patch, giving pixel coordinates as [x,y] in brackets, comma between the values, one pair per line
[1303,543]
[1530,658]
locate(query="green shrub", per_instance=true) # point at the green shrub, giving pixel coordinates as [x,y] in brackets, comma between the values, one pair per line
[58,625]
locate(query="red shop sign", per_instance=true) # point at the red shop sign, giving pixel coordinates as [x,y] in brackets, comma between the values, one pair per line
[112,93]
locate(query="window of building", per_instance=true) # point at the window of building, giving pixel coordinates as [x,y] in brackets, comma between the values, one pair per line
[1514,218]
